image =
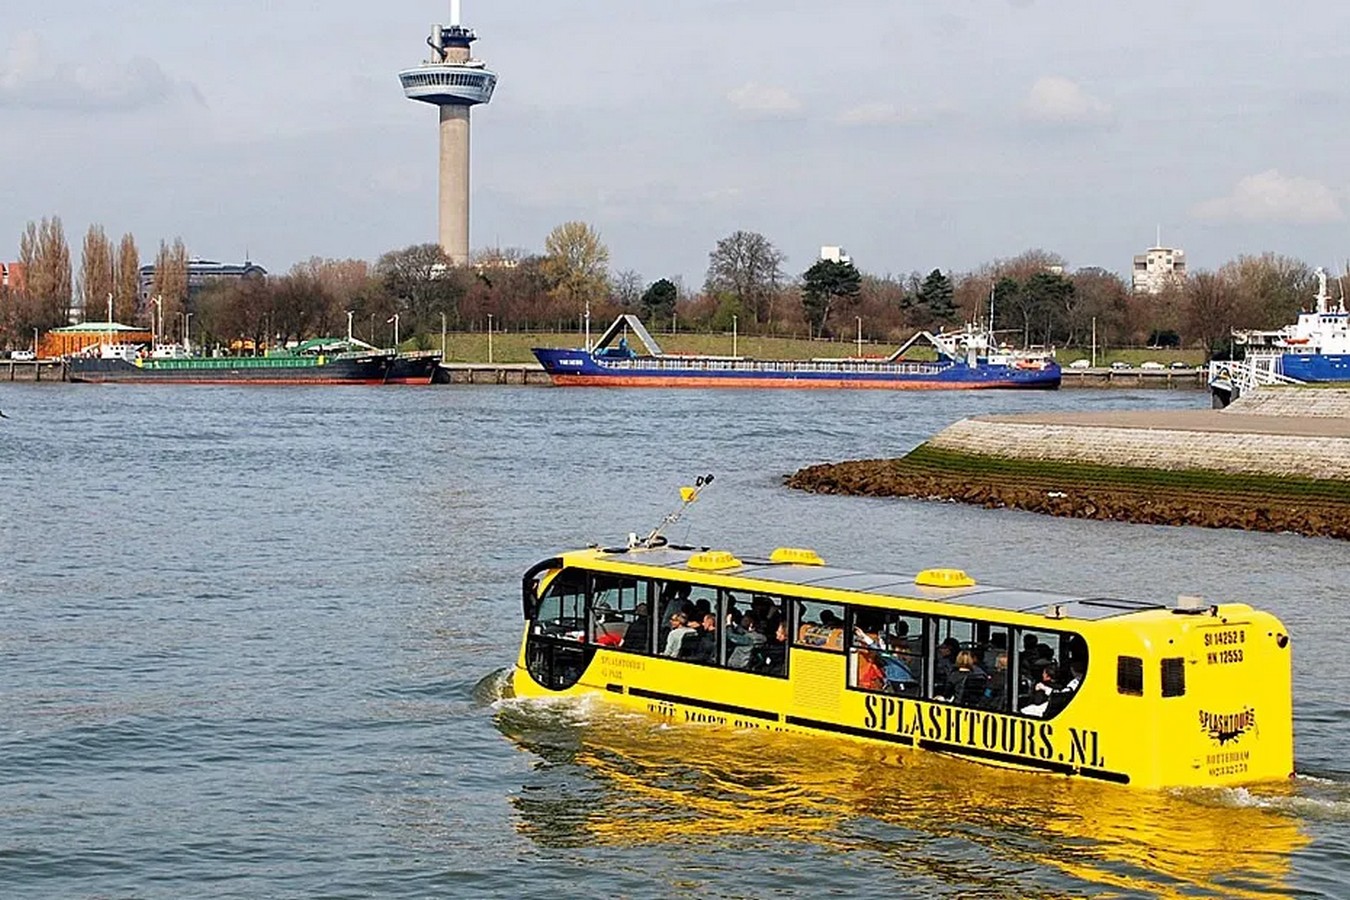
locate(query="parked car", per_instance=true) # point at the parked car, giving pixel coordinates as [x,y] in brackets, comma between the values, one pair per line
[1080,364]
[1152,366]
[1178,364]
[23,355]
[1121,364]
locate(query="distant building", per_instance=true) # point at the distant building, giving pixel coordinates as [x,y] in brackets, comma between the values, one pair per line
[203,272]
[835,254]
[1158,267]
[13,276]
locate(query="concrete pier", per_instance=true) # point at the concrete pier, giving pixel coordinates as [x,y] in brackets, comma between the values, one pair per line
[33,370]
[492,373]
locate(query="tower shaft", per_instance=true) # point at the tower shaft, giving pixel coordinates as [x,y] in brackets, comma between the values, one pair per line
[454,196]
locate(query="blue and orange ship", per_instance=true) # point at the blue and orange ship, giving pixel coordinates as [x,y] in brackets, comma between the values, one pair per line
[966,360]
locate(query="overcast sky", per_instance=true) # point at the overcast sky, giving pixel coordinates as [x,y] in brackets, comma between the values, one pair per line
[927,134]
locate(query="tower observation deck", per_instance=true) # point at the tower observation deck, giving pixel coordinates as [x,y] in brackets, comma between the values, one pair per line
[454,81]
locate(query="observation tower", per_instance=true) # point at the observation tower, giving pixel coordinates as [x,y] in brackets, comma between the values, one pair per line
[454,81]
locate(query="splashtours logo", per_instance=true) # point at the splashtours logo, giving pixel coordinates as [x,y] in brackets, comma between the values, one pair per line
[1226,727]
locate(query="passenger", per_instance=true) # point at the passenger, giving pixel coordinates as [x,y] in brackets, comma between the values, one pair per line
[701,609]
[946,659]
[1075,675]
[1028,655]
[679,627]
[1041,693]
[871,676]
[830,620]
[966,681]
[638,635]
[706,648]
[995,688]
[745,637]
[674,598]
[775,650]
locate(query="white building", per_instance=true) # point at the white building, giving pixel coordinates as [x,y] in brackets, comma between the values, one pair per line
[835,254]
[1158,267]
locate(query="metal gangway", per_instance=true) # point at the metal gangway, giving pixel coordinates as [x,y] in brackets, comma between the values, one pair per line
[1240,376]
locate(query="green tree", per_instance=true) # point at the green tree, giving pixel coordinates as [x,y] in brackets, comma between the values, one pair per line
[936,294]
[826,282]
[1048,299]
[658,301]
[750,269]
[576,263]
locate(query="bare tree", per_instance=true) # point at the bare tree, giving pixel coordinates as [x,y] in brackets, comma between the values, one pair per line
[748,267]
[170,284]
[46,257]
[96,275]
[127,281]
[626,289]
[1271,289]
[1211,306]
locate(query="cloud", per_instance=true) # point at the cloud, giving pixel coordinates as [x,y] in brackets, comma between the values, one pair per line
[1271,197]
[1059,101]
[31,78]
[764,100]
[873,114]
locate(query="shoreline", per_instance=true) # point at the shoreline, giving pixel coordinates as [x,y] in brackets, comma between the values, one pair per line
[1285,470]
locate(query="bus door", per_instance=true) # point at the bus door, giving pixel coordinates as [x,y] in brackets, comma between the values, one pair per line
[557,651]
[1230,695]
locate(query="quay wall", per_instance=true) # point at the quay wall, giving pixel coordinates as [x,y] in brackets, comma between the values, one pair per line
[33,370]
[1333,403]
[1165,449]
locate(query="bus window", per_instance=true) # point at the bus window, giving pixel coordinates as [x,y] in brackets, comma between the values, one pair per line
[959,666]
[562,609]
[1050,668]
[754,632]
[820,625]
[684,608]
[619,613]
[886,651]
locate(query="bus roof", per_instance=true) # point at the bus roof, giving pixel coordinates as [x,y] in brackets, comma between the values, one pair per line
[879,584]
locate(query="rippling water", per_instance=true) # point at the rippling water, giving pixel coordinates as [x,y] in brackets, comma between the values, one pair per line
[253,640]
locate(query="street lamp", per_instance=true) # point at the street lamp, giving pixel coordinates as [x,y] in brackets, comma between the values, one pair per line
[733,335]
[187,332]
[489,315]
[395,321]
[859,318]
[588,325]
[442,335]
[35,343]
[159,306]
[350,313]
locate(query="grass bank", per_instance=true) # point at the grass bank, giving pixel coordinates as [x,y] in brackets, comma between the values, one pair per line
[1195,497]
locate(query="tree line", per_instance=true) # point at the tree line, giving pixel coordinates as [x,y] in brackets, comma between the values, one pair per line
[1031,298]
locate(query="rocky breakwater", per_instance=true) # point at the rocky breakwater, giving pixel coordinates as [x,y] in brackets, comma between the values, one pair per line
[1280,470]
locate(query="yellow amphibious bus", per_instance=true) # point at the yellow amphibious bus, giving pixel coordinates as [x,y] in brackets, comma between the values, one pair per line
[1118,690]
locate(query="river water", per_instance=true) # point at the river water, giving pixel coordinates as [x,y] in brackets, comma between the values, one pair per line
[253,643]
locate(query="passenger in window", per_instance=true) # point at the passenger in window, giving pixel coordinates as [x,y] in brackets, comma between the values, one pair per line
[745,638]
[701,609]
[1075,675]
[679,627]
[638,635]
[1041,693]
[775,649]
[676,597]
[1028,655]
[996,688]
[966,681]
[946,659]
[705,649]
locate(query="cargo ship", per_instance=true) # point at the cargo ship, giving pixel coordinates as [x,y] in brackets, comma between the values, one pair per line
[966,360]
[1316,348]
[313,362]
